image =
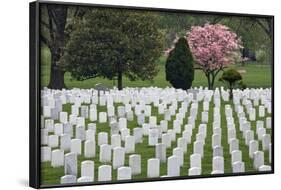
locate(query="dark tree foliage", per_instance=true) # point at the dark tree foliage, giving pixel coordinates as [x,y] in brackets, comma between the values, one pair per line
[112,44]
[179,66]
[232,77]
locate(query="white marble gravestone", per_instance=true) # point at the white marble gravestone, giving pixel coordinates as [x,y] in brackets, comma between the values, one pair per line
[65,142]
[173,166]
[118,157]
[124,173]
[90,134]
[218,163]
[236,156]
[87,169]
[253,147]
[266,141]
[233,145]
[105,153]
[182,143]
[67,179]
[138,134]
[115,141]
[80,132]
[249,136]
[63,117]
[180,154]
[195,161]
[216,140]
[53,141]
[238,167]
[89,149]
[135,163]
[153,137]
[104,173]
[46,154]
[70,164]
[258,159]
[198,148]
[166,139]
[264,168]
[102,138]
[194,171]
[57,158]
[75,146]
[153,167]
[102,117]
[160,152]
[129,144]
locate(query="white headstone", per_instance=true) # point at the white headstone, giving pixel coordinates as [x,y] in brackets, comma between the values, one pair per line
[258,159]
[115,141]
[266,141]
[66,179]
[89,149]
[218,163]
[195,161]
[194,171]
[153,168]
[160,152]
[70,164]
[102,117]
[65,142]
[173,167]
[104,173]
[236,156]
[238,167]
[198,148]
[102,138]
[57,158]
[105,153]
[135,163]
[180,154]
[53,141]
[75,146]
[87,169]
[166,139]
[46,154]
[118,157]
[253,147]
[124,173]
[130,144]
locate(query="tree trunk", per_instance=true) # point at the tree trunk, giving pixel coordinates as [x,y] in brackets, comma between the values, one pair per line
[209,81]
[231,91]
[213,81]
[56,75]
[57,22]
[119,79]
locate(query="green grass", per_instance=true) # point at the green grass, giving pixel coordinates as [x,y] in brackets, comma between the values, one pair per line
[256,76]
[52,176]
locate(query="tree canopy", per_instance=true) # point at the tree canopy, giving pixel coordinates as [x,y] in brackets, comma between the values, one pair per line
[111,44]
[179,65]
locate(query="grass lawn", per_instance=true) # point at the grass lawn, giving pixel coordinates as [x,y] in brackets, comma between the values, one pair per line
[255,76]
[52,175]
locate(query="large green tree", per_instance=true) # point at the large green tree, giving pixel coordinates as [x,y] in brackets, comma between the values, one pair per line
[179,66]
[113,44]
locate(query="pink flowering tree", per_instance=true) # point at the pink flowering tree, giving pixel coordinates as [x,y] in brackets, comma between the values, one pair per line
[213,47]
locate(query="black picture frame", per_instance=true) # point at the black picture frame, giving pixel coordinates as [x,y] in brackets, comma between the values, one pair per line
[34,92]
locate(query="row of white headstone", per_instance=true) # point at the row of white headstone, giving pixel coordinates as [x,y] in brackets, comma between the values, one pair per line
[64,130]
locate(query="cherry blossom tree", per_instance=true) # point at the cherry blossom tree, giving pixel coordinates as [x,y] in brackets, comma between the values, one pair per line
[213,47]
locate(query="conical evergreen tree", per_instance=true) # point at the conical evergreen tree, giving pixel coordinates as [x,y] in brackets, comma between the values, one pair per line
[179,66]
